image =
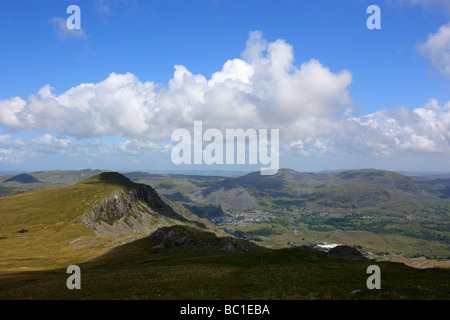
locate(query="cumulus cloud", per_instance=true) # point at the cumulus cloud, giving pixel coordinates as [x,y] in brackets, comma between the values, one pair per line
[437,49]
[424,130]
[267,90]
[264,89]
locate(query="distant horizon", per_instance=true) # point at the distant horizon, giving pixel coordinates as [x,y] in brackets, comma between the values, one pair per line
[227,173]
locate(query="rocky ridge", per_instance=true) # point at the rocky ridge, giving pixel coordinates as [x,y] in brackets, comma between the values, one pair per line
[127,211]
[179,236]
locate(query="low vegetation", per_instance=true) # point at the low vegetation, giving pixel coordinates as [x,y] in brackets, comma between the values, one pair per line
[142,270]
[270,255]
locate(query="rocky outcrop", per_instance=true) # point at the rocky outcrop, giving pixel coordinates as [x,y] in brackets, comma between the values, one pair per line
[184,236]
[126,211]
[347,252]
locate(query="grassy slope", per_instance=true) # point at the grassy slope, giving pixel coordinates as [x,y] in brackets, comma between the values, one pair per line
[49,217]
[54,238]
[139,271]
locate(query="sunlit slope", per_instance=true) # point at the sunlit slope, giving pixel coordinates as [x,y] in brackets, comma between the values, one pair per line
[40,224]
[47,229]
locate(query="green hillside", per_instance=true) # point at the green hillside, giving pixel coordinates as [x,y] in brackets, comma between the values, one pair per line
[192,268]
[46,228]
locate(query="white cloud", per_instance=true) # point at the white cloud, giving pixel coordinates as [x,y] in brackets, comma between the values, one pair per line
[309,103]
[49,140]
[8,110]
[267,91]
[394,132]
[437,49]
[60,27]
[19,150]
[138,146]
[422,130]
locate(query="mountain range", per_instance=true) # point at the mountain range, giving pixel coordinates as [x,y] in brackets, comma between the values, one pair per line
[383,212]
[131,241]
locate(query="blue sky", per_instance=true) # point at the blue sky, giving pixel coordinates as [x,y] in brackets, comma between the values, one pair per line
[384,101]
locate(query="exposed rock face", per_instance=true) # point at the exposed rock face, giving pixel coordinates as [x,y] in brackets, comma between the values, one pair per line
[184,236]
[137,210]
[348,252]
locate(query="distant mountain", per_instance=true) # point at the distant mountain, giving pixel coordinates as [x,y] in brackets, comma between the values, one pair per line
[65,177]
[14,184]
[287,190]
[219,173]
[353,189]
[301,207]
[23,178]
[348,189]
